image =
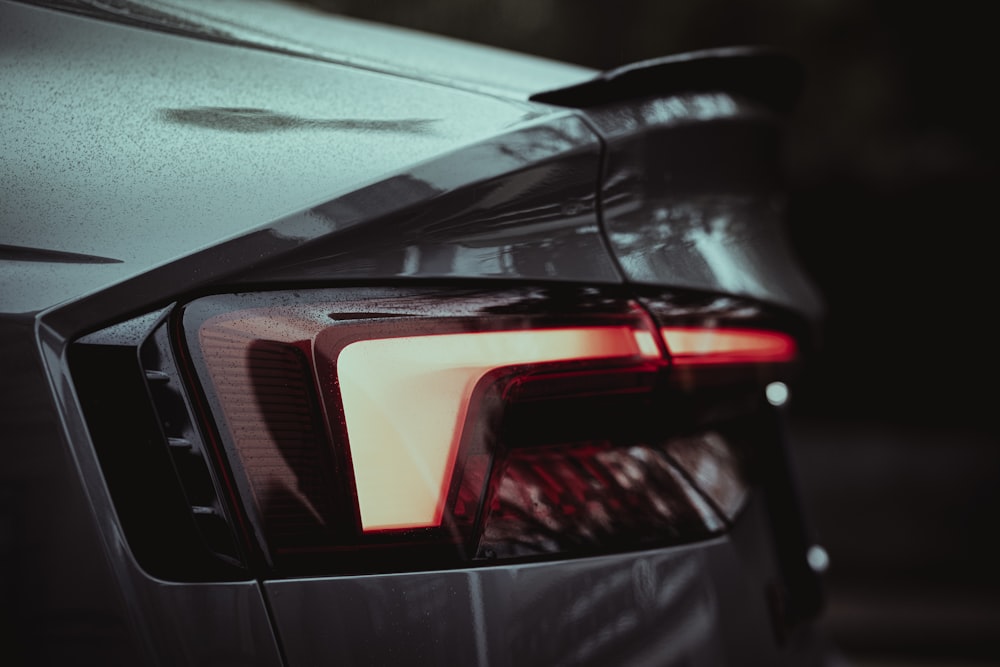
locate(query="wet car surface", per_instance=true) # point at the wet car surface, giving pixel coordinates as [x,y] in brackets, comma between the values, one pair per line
[204,228]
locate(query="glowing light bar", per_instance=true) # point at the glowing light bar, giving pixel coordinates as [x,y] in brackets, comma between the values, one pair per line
[405,403]
[693,345]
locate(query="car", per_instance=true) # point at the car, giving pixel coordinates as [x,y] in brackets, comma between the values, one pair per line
[332,343]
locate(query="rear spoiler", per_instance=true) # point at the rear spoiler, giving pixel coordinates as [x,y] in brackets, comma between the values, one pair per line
[759,73]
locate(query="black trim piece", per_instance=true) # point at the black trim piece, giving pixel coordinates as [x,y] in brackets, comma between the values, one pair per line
[25,254]
[158,524]
[189,455]
[756,72]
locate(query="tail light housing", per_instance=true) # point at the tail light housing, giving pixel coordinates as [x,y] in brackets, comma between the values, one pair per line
[357,430]
[375,430]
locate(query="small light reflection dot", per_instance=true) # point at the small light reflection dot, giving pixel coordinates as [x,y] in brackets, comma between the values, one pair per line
[818,559]
[777,393]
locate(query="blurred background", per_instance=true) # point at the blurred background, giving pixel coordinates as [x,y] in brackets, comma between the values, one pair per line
[890,166]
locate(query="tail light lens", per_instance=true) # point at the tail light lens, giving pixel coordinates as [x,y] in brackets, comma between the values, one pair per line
[704,345]
[406,401]
[399,429]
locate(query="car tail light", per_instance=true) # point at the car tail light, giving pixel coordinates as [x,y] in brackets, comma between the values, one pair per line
[380,429]
[703,345]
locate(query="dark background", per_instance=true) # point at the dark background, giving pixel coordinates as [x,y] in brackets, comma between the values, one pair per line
[890,166]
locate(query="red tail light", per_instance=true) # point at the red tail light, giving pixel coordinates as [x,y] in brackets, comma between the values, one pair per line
[391,427]
[406,402]
[702,345]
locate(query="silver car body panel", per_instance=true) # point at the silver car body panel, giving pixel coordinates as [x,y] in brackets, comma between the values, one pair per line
[142,147]
[660,607]
[141,167]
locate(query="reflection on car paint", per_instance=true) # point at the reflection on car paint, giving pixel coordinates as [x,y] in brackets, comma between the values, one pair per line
[239,119]
[692,197]
[521,205]
[624,610]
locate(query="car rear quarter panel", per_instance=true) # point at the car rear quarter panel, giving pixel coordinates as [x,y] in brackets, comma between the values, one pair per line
[171,166]
[697,605]
[140,147]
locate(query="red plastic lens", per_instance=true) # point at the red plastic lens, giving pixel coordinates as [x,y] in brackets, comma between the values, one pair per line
[481,427]
[406,401]
[590,494]
[704,345]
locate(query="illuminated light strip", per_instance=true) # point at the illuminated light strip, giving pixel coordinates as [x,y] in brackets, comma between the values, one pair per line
[693,345]
[406,399]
